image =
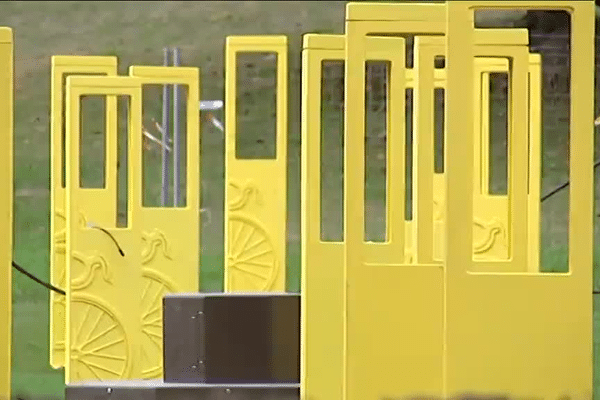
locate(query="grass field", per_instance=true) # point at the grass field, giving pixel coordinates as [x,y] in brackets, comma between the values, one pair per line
[137,33]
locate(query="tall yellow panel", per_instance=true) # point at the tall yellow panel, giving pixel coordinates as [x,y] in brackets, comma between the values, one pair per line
[385,297]
[520,334]
[6,205]
[322,261]
[61,67]
[170,254]
[491,225]
[256,189]
[103,272]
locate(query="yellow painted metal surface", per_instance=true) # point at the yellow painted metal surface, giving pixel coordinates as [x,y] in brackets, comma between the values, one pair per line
[256,189]
[460,337]
[170,252]
[375,336]
[103,199]
[523,334]
[104,264]
[492,226]
[322,331]
[322,262]
[6,205]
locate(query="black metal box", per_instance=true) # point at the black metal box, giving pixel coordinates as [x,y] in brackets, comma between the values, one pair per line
[229,338]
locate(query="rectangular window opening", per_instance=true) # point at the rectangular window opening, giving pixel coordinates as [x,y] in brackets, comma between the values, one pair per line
[376,98]
[332,151]
[92,142]
[122,161]
[408,195]
[439,129]
[160,154]
[439,62]
[256,105]
[63,143]
[498,133]
[548,221]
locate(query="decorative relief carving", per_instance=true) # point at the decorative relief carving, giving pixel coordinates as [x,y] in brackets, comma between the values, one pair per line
[245,193]
[91,264]
[154,240]
[156,285]
[251,257]
[99,347]
[492,229]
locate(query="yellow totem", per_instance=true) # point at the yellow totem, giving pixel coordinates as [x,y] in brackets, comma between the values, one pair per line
[322,272]
[104,263]
[6,205]
[322,331]
[171,235]
[462,324]
[256,189]
[103,199]
[488,303]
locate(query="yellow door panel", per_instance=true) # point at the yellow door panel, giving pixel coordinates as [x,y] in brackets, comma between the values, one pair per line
[104,266]
[256,189]
[498,323]
[491,224]
[322,261]
[6,205]
[170,252]
[61,66]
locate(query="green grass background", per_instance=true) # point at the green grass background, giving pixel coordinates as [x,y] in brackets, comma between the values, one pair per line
[136,33]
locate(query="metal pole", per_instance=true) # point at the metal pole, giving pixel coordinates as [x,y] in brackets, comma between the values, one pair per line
[176,155]
[165,137]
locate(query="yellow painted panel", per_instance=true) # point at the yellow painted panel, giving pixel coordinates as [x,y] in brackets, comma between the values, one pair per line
[103,199]
[322,262]
[491,225]
[104,267]
[256,190]
[6,205]
[362,366]
[170,254]
[520,334]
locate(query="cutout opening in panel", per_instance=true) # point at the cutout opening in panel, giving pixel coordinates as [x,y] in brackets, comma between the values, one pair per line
[123,105]
[376,108]
[153,169]
[439,129]
[256,105]
[332,151]
[92,142]
[498,133]
[63,143]
[439,62]
[408,195]
[549,36]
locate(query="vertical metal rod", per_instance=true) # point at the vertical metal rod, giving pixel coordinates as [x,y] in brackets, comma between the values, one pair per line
[176,141]
[165,137]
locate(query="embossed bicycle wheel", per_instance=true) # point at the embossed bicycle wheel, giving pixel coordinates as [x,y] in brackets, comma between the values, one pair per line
[155,287]
[99,347]
[252,263]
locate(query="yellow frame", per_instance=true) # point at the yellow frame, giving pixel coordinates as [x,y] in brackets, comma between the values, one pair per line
[256,190]
[531,363]
[460,319]
[6,204]
[171,251]
[60,66]
[103,275]
[321,286]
